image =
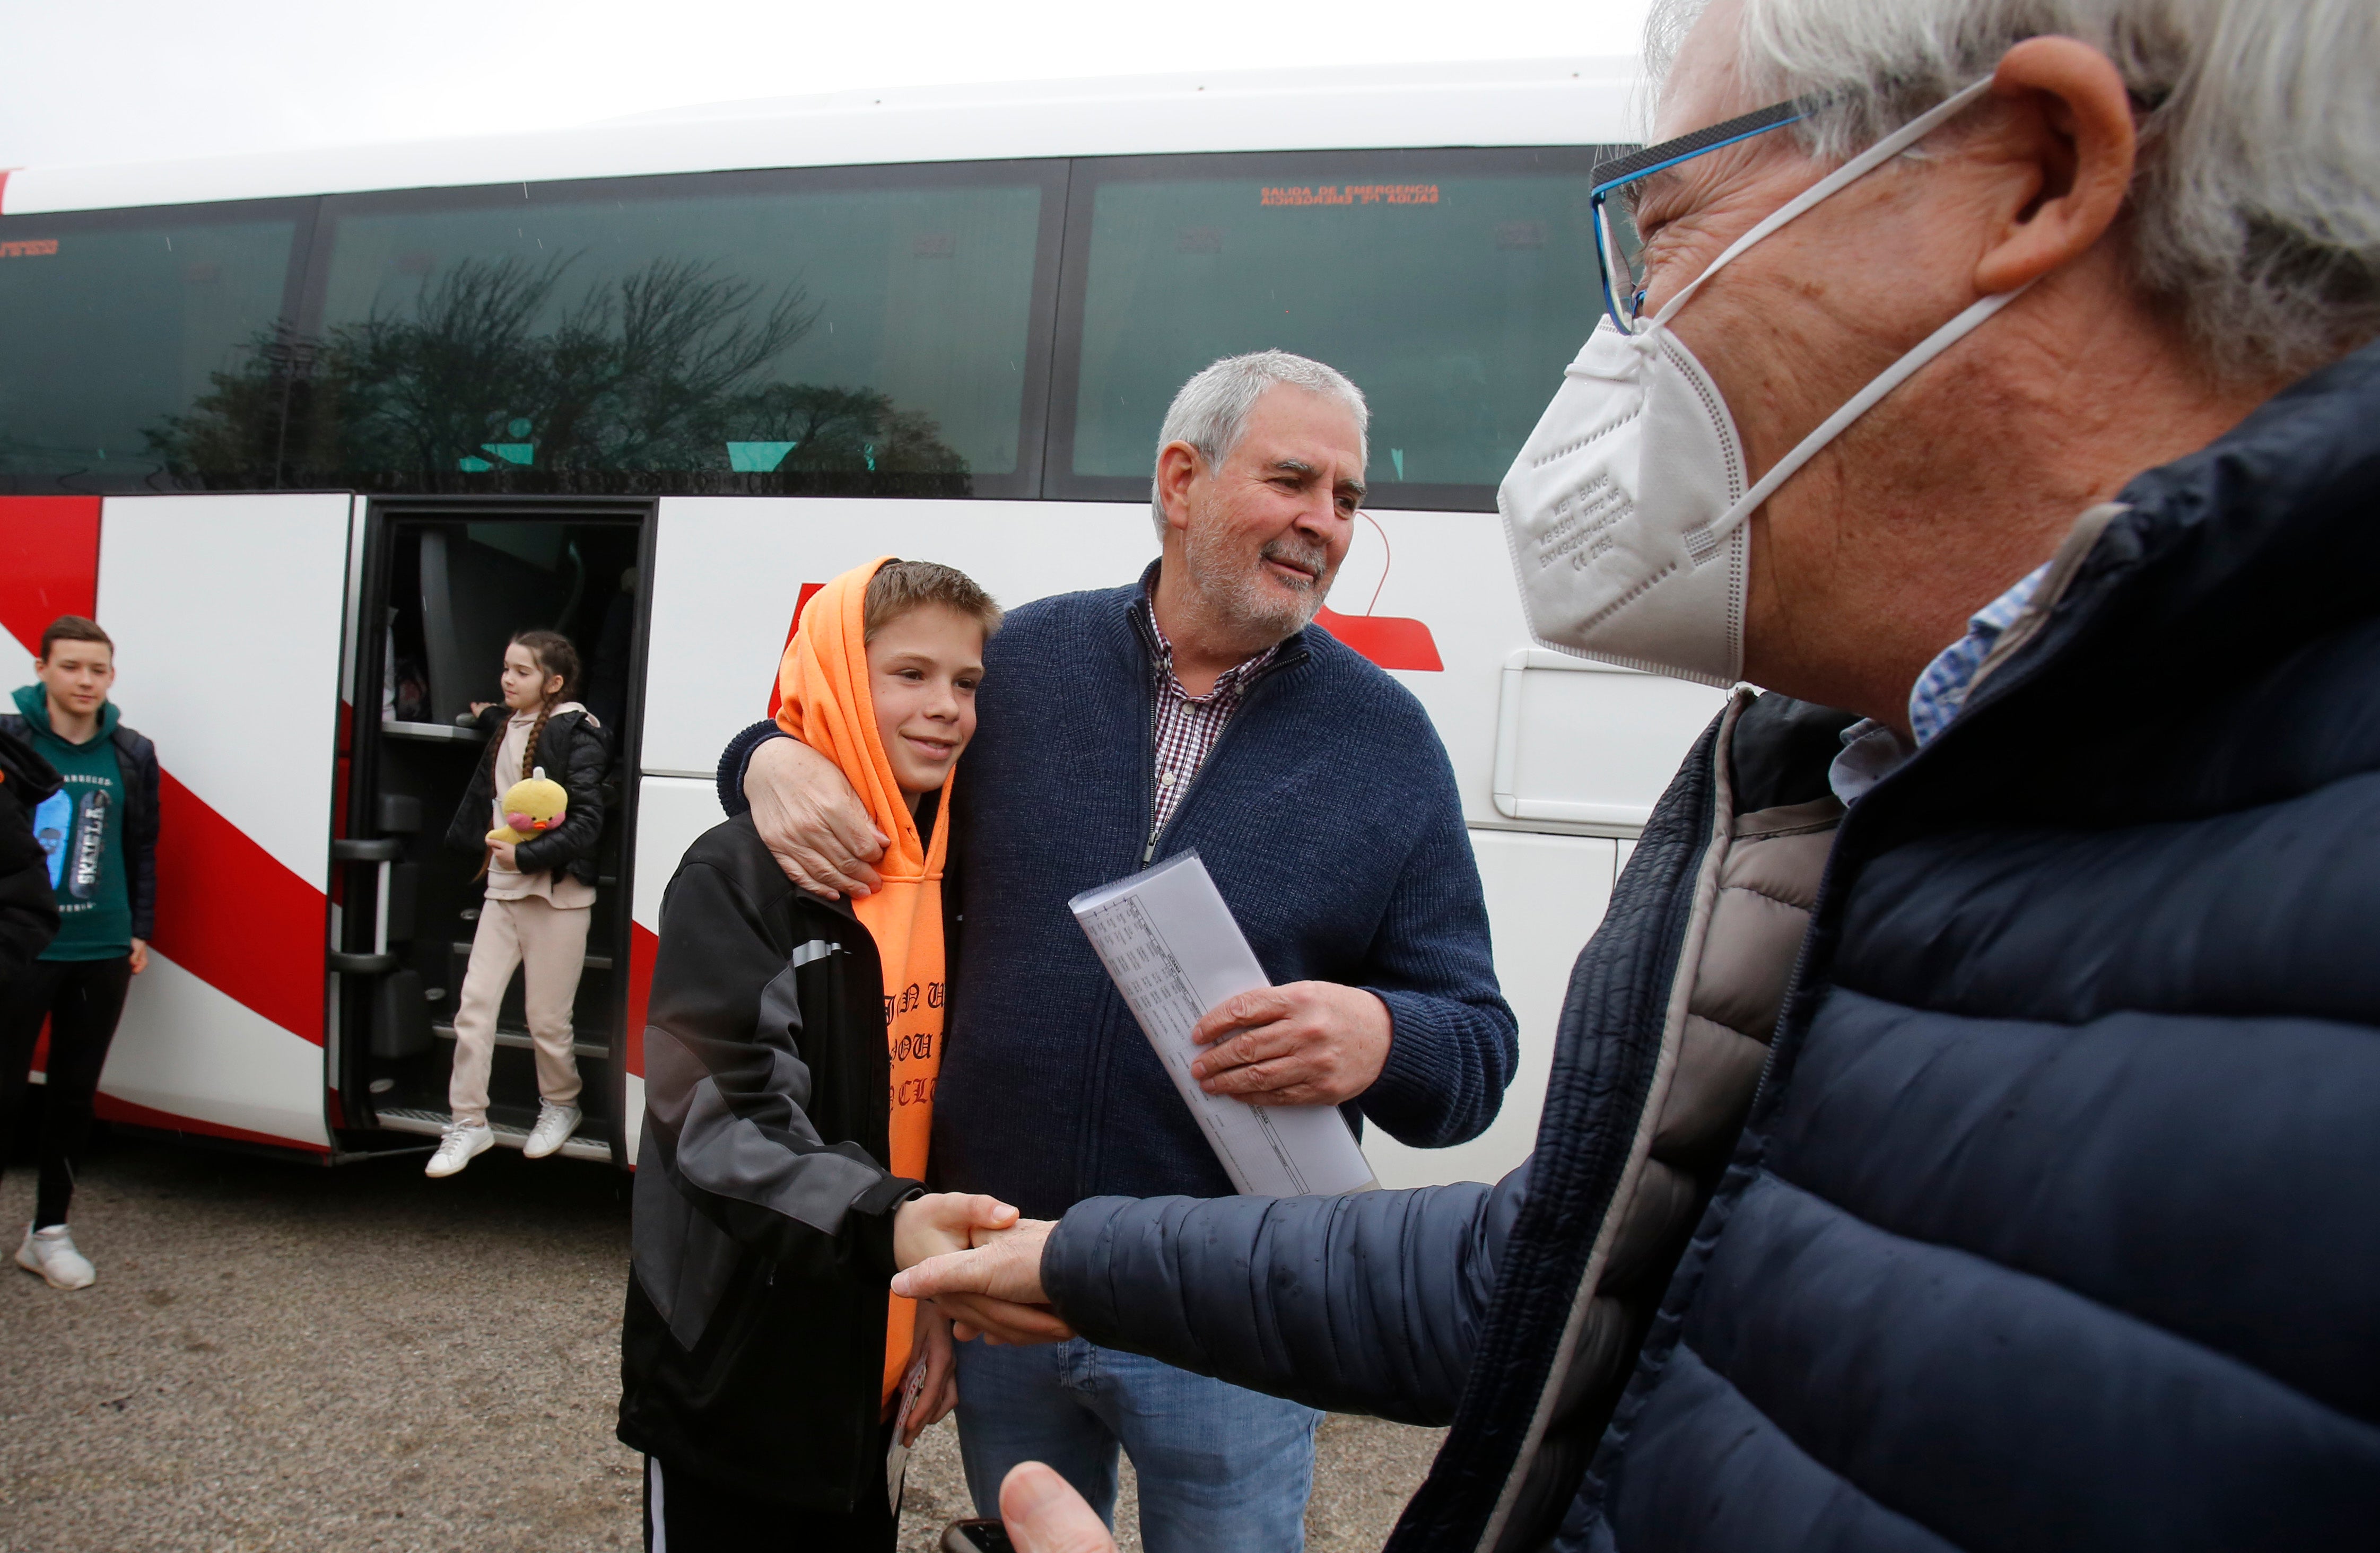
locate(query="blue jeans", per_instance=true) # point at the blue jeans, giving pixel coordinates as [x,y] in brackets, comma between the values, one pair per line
[1220,1467]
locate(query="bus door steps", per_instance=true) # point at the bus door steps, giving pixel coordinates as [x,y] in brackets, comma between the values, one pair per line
[520,1039]
[431,1124]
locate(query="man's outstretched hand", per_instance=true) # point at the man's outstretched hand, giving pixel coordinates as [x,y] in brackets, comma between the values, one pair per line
[994,1289]
[948,1228]
[1044,1514]
[811,821]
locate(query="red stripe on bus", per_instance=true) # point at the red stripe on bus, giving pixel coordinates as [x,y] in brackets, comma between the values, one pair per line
[232,915]
[49,562]
[642,946]
[1392,641]
[3,189]
[109,1108]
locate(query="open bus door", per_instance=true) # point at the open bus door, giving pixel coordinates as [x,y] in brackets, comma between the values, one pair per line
[441,588]
[226,615]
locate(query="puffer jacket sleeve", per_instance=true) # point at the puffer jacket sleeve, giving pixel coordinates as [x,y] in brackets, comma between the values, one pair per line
[467,833]
[726,1088]
[1368,1304]
[581,773]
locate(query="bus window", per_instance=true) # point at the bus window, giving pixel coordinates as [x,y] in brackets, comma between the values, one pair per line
[118,335]
[1453,286]
[865,330]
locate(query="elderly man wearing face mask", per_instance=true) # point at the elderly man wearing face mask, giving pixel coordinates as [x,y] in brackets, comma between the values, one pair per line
[2009,382]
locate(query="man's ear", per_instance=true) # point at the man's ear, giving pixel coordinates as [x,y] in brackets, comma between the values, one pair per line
[2072,126]
[1177,465]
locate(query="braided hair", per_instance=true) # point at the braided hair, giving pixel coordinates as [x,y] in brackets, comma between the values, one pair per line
[554,655]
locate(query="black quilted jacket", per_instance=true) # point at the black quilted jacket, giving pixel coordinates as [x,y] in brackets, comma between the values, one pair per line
[575,751]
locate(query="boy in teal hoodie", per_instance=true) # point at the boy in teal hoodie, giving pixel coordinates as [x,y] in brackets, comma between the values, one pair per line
[99,831]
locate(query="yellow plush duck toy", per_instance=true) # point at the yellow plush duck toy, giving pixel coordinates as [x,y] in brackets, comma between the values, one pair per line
[532,807]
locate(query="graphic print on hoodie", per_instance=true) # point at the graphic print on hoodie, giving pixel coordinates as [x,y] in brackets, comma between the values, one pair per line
[80,828]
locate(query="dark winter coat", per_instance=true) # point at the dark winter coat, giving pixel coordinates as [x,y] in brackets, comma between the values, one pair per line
[752,1352]
[136,757]
[28,909]
[575,751]
[2053,1224]
[1326,813]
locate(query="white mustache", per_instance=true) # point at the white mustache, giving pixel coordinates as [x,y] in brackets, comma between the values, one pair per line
[1313,558]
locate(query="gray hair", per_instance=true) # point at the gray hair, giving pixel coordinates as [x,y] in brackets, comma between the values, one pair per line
[2257,203]
[1211,413]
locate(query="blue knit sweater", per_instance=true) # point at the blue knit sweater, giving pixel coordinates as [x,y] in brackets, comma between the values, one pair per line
[1327,815]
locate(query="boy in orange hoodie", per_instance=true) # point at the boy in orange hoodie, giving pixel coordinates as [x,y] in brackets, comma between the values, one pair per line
[791,1050]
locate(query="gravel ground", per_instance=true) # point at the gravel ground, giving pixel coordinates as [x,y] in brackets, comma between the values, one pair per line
[282,1357]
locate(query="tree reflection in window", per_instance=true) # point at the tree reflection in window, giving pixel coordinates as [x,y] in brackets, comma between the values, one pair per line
[641,384]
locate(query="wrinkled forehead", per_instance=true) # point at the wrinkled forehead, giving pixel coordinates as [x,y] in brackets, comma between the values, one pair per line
[1294,422]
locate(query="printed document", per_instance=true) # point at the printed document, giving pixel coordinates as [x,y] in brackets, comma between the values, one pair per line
[1168,942]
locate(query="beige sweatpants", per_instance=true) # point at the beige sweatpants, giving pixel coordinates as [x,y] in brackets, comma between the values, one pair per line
[550,945]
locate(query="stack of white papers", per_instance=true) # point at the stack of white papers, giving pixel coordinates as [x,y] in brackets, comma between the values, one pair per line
[1170,944]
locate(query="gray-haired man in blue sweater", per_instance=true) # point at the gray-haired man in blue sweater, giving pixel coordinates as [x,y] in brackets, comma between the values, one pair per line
[1195,708]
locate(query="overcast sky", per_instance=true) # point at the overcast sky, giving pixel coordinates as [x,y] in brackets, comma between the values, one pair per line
[129,81]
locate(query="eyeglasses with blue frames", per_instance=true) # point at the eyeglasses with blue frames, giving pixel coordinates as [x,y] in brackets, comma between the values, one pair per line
[1619,248]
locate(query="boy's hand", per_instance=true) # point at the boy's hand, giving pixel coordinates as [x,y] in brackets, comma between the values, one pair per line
[944,1221]
[1308,1043]
[811,821]
[940,1393]
[140,955]
[995,1289]
[503,853]
[1044,1514]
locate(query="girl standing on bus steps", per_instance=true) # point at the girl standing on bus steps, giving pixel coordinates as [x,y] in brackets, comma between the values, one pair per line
[539,895]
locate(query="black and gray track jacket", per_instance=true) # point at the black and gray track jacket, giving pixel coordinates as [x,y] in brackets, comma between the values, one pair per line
[752,1352]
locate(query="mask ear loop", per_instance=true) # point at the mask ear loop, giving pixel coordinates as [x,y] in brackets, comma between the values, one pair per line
[1704,543]
[1851,172]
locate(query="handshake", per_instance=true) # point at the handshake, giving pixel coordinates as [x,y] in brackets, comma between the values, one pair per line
[980,1265]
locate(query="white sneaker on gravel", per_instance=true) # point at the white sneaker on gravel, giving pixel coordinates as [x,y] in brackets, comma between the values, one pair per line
[52,1254]
[555,1125]
[461,1144]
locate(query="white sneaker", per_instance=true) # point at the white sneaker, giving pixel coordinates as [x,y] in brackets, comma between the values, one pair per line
[555,1125]
[52,1254]
[457,1147]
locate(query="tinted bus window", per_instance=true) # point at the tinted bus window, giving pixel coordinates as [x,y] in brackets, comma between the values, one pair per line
[1453,286]
[117,335]
[864,330]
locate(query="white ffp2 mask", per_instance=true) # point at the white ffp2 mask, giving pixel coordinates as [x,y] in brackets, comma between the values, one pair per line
[1626,508]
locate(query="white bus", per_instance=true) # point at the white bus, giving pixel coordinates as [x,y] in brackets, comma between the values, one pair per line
[311,434]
